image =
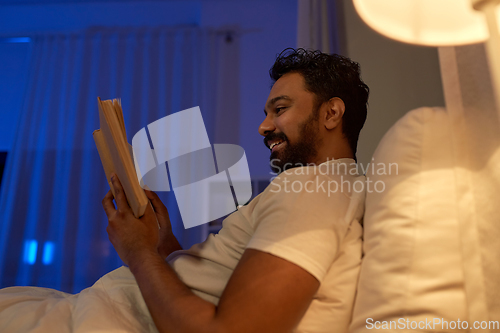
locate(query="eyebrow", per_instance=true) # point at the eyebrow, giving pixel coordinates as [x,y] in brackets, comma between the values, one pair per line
[275,99]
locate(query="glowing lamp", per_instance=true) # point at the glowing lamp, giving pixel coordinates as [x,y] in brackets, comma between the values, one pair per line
[439,23]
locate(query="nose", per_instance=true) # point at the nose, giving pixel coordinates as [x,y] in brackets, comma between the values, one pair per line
[267,126]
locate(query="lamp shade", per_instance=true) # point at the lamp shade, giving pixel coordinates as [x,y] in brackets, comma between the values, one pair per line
[425,22]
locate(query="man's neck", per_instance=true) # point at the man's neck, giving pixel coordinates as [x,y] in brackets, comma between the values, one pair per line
[321,158]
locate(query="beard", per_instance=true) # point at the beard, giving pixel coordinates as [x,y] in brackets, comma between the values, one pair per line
[297,154]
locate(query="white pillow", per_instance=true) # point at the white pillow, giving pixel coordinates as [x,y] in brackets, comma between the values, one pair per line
[412,270]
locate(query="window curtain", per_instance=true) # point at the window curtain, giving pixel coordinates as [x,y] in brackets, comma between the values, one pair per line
[320,26]
[52,225]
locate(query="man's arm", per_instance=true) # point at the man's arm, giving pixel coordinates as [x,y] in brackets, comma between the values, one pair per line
[264,294]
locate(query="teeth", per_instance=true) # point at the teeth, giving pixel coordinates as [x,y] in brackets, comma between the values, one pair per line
[274,144]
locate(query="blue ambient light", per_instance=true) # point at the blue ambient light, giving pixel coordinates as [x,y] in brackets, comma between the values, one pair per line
[15,40]
[30,248]
[48,253]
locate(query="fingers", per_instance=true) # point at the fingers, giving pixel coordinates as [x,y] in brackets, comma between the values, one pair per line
[151,195]
[107,204]
[150,208]
[120,198]
[156,202]
[160,209]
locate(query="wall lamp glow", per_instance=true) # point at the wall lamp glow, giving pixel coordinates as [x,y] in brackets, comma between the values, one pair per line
[31,249]
[439,23]
[48,253]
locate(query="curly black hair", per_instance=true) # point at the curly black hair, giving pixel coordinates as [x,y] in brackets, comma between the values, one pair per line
[328,76]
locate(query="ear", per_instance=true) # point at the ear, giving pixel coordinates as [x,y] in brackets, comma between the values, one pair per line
[335,109]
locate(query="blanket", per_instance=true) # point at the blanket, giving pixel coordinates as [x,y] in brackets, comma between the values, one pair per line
[113,304]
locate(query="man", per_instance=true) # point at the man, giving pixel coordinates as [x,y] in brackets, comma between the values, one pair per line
[289,260]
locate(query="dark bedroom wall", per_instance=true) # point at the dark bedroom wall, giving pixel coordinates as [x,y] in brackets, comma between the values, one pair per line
[46,15]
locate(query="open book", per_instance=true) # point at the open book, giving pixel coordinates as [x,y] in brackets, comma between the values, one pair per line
[116,154]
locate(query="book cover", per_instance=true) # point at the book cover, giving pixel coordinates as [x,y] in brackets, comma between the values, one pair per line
[115,154]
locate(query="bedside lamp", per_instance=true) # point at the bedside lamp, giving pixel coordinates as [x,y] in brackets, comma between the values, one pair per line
[439,23]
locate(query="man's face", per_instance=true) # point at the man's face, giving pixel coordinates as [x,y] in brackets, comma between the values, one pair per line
[291,126]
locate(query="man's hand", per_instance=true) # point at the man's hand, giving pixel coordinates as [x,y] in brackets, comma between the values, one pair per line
[131,237]
[167,242]
[264,294]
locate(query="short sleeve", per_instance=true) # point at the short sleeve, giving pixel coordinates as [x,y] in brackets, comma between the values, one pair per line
[301,218]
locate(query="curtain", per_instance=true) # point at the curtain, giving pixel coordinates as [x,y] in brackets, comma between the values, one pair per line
[52,225]
[320,26]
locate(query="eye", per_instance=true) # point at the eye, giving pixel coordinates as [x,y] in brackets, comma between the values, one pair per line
[279,109]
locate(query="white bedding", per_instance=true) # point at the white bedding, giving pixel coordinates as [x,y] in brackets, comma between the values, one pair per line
[113,304]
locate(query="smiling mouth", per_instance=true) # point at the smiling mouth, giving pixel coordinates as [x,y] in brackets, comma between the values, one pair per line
[274,145]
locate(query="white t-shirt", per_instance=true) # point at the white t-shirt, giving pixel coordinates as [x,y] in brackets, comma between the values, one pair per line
[309,216]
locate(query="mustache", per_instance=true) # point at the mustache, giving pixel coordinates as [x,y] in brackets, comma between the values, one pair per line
[274,136]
